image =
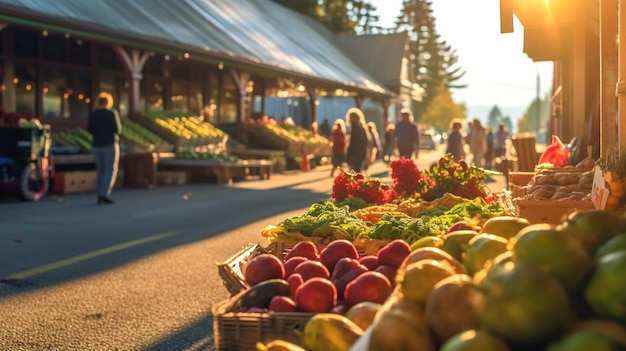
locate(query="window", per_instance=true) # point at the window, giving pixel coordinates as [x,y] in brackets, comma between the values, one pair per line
[25,43]
[53,48]
[25,84]
[106,57]
[186,97]
[80,52]
[66,93]
[152,94]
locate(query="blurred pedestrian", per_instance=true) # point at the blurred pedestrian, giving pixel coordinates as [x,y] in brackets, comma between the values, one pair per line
[105,127]
[325,129]
[374,147]
[477,141]
[489,152]
[388,142]
[359,139]
[406,135]
[456,144]
[499,140]
[338,139]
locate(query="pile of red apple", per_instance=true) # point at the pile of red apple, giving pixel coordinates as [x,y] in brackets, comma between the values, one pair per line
[331,279]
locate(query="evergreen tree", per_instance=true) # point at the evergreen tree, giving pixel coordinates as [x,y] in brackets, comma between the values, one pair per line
[433,60]
[494,118]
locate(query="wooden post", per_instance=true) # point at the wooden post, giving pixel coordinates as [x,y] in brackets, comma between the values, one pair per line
[608,75]
[620,90]
[313,101]
[134,63]
[241,79]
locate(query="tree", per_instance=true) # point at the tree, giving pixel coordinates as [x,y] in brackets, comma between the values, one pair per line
[441,110]
[433,60]
[530,122]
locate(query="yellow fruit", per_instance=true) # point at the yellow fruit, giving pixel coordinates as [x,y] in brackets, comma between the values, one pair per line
[449,309]
[595,226]
[419,278]
[278,345]
[330,332]
[473,340]
[555,251]
[363,313]
[427,241]
[400,326]
[522,303]
[504,226]
[455,242]
[616,243]
[481,249]
[432,253]
[606,290]
[582,340]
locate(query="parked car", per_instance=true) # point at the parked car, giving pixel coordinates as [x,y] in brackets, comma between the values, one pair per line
[427,141]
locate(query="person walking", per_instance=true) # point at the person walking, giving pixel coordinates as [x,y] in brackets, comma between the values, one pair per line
[477,141]
[105,127]
[499,140]
[388,142]
[456,145]
[406,135]
[489,153]
[338,139]
[374,144]
[359,139]
[325,129]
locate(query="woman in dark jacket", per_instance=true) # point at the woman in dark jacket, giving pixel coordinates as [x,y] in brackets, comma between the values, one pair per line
[359,139]
[105,127]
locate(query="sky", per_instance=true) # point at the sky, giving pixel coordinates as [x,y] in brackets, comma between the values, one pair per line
[497,70]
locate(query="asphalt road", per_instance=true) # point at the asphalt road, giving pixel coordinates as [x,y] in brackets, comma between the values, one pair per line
[140,274]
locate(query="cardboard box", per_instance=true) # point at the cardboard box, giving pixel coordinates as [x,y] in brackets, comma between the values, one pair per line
[549,211]
[75,182]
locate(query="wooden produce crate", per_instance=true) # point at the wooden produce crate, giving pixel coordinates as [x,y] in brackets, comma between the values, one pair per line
[75,182]
[549,211]
[518,182]
[240,331]
[231,270]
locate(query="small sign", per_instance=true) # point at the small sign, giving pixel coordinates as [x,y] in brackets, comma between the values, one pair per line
[600,190]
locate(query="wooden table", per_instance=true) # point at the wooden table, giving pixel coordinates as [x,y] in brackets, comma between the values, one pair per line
[224,171]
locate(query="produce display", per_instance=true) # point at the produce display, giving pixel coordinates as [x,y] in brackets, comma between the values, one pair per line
[73,137]
[135,135]
[291,138]
[504,285]
[182,130]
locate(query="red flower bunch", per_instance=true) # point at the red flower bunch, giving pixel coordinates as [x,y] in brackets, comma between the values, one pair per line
[407,178]
[445,176]
[350,184]
[448,176]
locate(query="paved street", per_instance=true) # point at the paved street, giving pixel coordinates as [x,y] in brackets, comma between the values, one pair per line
[139,274]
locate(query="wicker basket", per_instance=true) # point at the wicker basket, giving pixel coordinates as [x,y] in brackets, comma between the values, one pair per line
[232,269]
[241,331]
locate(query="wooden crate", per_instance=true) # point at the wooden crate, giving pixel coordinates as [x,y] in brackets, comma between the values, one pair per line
[75,182]
[231,270]
[240,331]
[520,178]
[549,211]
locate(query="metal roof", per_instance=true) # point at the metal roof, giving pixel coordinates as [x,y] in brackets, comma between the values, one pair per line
[369,51]
[249,34]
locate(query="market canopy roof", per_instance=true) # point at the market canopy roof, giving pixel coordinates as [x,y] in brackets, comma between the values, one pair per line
[256,35]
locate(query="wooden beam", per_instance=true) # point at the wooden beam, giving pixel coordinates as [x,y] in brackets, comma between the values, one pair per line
[608,76]
[506,16]
[621,81]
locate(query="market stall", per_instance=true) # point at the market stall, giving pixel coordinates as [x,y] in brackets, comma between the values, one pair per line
[434,260]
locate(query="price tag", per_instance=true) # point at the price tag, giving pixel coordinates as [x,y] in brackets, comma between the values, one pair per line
[600,190]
